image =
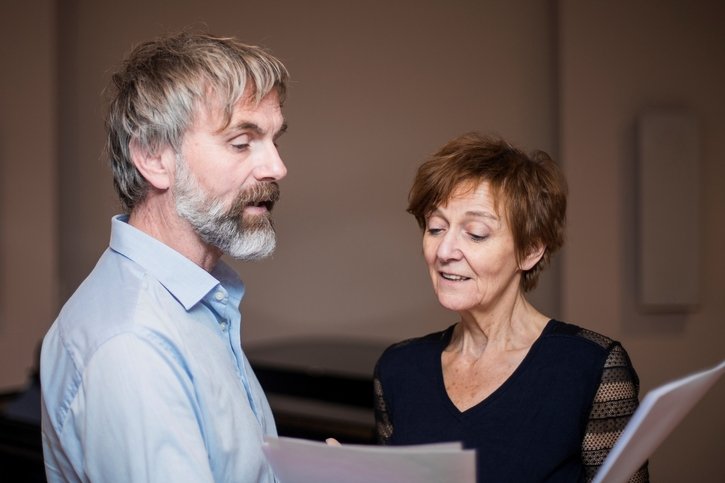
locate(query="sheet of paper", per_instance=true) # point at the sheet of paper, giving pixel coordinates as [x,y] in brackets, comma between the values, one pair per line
[659,412]
[303,461]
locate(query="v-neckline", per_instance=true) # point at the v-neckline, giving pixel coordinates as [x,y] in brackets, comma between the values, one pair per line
[446,339]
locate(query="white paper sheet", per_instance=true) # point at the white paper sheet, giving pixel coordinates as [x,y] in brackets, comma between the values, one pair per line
[658,414]
[302,461]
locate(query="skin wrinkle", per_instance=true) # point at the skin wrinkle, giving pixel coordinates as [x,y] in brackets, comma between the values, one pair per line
[481,270]
[498,325]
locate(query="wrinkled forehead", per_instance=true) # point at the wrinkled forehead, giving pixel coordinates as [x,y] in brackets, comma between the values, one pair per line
[481,196]
[217,110]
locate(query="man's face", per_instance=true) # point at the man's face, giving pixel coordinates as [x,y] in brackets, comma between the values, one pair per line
[225,183]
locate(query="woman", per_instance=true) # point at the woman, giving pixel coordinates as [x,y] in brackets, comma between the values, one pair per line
[539,399]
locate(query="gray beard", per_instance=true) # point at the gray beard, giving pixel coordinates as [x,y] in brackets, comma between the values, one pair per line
[244,237]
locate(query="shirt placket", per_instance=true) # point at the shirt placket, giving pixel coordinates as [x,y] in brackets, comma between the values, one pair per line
[228,320]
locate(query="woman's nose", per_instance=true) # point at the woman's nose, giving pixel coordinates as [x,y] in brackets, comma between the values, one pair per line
[449,247]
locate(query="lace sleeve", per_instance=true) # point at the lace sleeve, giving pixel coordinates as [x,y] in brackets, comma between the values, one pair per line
[615,402]
[383,426]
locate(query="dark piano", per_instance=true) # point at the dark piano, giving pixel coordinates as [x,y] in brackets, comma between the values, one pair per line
[319,388]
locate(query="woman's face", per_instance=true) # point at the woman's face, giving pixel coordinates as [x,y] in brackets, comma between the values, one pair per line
[469,250]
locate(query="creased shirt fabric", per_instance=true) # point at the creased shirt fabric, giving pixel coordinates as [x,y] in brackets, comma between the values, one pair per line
[143,375]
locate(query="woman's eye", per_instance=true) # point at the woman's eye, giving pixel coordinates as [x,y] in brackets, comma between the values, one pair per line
[477,238]
[434,231]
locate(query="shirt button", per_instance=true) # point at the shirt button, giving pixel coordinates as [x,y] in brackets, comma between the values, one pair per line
[224,325]
[219,296]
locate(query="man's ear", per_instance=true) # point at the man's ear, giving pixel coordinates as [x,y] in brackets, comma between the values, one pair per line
[532,258]
[156,167]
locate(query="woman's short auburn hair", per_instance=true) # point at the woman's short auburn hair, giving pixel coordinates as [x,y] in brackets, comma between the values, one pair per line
[531,190]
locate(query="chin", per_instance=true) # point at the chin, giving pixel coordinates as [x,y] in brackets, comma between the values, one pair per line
[455,305]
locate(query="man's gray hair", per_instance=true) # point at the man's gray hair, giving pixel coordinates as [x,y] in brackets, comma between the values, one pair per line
[160,87]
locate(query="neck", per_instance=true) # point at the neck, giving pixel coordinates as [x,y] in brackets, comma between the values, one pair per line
[157,217]
[511,327]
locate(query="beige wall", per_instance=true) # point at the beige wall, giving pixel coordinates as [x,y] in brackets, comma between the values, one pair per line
[376,88]
[28,184]
[618,59]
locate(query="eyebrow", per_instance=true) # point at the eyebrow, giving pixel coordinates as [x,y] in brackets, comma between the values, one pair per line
[253,126]
[470,213]
[282,130]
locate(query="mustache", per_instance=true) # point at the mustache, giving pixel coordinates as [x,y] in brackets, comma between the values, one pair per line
[261,194]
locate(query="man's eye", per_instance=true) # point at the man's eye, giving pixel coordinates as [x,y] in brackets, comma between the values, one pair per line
[240,142]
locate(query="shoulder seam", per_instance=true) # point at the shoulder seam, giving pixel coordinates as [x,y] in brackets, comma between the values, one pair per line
[601,340]
[140,333]
[423,339]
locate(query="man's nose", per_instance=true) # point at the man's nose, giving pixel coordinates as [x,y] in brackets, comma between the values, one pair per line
[270,166]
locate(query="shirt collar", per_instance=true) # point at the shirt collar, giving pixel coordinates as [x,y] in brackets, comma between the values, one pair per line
[184,279]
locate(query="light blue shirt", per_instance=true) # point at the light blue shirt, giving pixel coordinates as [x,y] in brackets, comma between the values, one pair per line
[143,375]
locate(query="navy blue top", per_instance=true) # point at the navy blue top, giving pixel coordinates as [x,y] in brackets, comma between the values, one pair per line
[530,429]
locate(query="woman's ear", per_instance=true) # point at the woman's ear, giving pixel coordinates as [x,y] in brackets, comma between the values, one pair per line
[532,258]
[156,167]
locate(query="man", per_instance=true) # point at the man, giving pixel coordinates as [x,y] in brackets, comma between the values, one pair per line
[143,373]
